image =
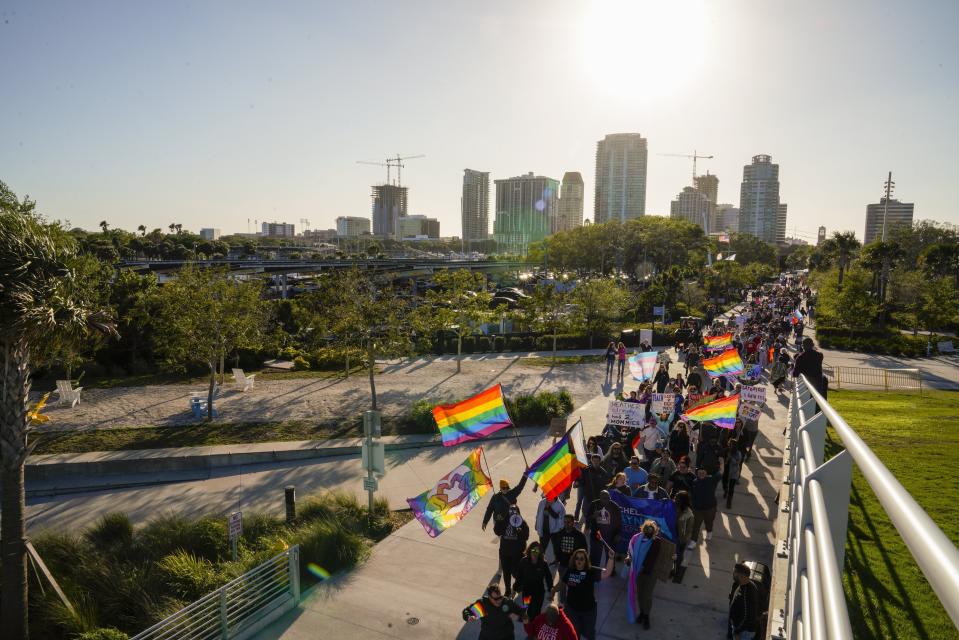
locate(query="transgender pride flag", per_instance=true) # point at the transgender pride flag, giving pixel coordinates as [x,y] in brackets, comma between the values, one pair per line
[642,366]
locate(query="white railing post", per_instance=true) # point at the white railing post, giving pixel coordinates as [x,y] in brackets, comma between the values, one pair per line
[224,625]
[294,569]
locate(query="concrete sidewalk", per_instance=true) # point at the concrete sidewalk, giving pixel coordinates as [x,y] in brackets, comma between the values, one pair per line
[415,587]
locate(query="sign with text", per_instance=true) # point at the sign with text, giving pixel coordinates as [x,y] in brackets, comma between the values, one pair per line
[236,525]
[753,394]
[749,412]
[625,414]
[662,402]
[659,311]
[635,511]
[646,335]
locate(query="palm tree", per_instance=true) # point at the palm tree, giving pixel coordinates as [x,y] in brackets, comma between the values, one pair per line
[172,227]
[846,247]
[39,304]
[104,225]
[179,228]
[142,229]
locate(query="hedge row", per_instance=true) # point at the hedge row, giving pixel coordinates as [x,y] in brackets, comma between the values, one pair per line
[889,343]
[526,410]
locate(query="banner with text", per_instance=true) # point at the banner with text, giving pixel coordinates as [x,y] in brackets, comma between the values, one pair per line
[662,402]
[753,394]
[636,511]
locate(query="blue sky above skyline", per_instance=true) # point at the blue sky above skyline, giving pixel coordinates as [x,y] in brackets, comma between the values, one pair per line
[212,113]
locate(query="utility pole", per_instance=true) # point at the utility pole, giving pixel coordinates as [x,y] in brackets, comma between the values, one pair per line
[885,210]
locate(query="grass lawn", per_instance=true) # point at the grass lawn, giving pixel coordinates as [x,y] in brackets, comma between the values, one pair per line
[917,438]
[547,361]
[162,378]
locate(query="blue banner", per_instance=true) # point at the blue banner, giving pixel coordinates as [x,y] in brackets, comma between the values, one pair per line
[635,511]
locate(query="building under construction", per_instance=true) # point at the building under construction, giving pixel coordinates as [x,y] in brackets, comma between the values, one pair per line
[389,205]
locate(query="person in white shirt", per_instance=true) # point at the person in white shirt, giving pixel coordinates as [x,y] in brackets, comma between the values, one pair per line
[650,438]
[549,520]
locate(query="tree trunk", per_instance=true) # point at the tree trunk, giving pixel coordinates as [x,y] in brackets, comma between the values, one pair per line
[371,361]
[222,369]
[554,348]
[842,269]
[209,395]
[347,364]
[13,453]
[459,353]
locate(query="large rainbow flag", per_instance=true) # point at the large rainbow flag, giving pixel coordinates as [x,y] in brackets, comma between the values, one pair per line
[642,366]
[562,463]
[473,418]
[727,363]
[722,412]
[453,497]
[795,317]
[718,342]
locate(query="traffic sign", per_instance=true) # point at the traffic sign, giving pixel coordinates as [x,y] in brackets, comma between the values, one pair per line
[376,464]
[236,525]
[369,484]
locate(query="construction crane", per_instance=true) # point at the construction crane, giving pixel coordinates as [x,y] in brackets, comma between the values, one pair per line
[390,163]
[694,157]
[305,224]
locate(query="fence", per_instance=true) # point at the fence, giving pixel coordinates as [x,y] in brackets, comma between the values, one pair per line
[238,609]
[810,557]
[871,377]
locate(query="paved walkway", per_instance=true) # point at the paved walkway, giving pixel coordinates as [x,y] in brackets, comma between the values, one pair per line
[415,586]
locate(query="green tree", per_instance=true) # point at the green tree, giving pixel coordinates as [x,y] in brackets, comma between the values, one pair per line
[845,246]
[850,306]
[748,248]
[205,314]
[940,259]
[880,257]
[547,311]
[460,303]
[799,258]
[38,306]
[598,302]
[939,304]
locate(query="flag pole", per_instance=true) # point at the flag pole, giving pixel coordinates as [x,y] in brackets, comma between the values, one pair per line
[512,422]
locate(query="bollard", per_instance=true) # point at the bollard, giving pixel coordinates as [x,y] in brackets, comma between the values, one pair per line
[290,493]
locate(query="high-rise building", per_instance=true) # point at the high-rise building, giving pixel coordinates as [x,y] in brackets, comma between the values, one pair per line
[781,222]
[525,205]
[759,199]
[709,185]
[210,234]
[726,218]
[692,205]
[319,235]
[278,230]
[352,226]
[389,205]
[821,236]
[419,227]
[474,205]
[899,215]
[570,206]
[620,178]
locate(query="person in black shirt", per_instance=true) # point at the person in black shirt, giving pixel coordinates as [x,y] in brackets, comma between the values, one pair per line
[496,623]
[743,605]
[809,364]
[682,479]
[580,597]
[511,545]
[565,542]
[535,578]
[499,504]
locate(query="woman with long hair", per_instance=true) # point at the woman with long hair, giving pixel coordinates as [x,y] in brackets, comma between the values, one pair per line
[534,579]
[644,550]
[580,604]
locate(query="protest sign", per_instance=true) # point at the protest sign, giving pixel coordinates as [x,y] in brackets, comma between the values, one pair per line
[625,414]
[646,336]
[749,412]
[753,394]
[662,402]
[636,511]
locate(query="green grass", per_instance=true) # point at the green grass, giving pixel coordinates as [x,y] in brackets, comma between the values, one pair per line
[917,438]
[547,361]
[165,378]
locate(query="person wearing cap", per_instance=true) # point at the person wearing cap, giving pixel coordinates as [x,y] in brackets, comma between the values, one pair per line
[652,490]
[497,621]
[499,504]
[511,546]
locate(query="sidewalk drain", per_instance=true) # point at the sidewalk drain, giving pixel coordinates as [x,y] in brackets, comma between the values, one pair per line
[412,621]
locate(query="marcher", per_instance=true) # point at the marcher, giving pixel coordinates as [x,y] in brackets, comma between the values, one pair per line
[580,602]
[604,524]
[621,355]
[534,579]
[650,437]
[610,359]
[499,504]
[684,531]
[497,623]
[619,484]
[663,466]
[678,442]
[616,460]
[703,497]
[644,550]
[661,379]
[635,474]
[682,480]
[511,546]
[652,490]
[565,542]
[591,482]
[552,624]
[734,461]
[743,605]
[549,520]
[809,364]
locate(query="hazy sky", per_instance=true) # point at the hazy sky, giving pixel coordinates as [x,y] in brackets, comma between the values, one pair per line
[212,113]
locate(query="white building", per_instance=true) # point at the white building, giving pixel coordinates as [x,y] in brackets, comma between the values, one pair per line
[620,177]
[899,215]
[278,230]
[759,199]
[210,234]
[352,226]
[474,205]
[692,205]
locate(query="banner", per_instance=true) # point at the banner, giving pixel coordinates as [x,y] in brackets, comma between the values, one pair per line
[662,402]
[635,511]
[625,414]
[755,394]
[750,412]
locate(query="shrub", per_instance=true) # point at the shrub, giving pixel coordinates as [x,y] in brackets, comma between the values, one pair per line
[420,418]
[206,537]
[103,633]
[539,409]
[330,545]
[188,576]
[300,364]
[315,508]
[112,530]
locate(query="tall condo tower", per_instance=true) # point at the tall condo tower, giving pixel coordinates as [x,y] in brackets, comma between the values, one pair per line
[620,177]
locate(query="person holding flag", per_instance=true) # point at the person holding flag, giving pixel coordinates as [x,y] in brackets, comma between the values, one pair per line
[534,579]
[495,615]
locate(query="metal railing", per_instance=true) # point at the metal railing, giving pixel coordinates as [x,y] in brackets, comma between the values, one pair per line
[238,609]
[817,508]
[874,377]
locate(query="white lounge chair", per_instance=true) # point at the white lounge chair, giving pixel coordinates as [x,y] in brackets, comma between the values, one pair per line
[243,380]
[68,395]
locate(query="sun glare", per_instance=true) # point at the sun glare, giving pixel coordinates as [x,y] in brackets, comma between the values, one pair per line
[640,49]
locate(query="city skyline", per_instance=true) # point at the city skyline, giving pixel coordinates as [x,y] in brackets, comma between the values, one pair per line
[136,119]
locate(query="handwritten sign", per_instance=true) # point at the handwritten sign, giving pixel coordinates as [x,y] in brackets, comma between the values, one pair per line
[625,414]
[755,394]
[662,402]
[749,412]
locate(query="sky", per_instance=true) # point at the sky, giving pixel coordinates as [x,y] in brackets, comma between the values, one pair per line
[213,114]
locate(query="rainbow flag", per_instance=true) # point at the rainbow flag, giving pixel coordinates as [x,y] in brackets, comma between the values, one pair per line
[453,497]
[727,363]
[477,609]
[718,342]
[722,412]
[562,463]
[473,418]
[642,366]
[796,317]
[526,601]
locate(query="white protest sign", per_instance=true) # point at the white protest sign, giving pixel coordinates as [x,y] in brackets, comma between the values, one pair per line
[753,394]
[646,335]
[749,411]
[625,414]
[662,402]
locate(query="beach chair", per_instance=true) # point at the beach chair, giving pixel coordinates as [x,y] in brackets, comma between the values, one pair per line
[198,402]
[243,380]
[67,394]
